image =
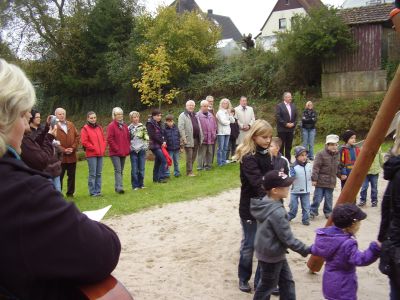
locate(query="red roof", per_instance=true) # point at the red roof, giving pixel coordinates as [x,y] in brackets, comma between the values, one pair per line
[367,14]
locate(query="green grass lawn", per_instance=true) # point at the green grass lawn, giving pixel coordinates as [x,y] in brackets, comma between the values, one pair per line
[206,183]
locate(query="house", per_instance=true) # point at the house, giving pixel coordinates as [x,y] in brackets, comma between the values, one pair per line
[361,71]
[358,3]
[280,19]
[231,36]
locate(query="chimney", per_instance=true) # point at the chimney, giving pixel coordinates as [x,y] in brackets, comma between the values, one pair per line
[209,12]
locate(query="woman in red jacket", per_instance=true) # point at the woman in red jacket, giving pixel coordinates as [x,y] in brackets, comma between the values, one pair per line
[119,145]
[94,143]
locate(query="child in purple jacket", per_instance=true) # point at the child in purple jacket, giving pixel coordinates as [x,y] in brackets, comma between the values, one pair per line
[338,246]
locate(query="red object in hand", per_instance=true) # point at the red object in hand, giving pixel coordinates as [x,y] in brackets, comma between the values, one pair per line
[167,157]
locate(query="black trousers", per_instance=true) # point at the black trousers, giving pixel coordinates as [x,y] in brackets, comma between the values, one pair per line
[287,140]
[71,170]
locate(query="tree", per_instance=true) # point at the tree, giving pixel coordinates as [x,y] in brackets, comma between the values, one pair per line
[189,39]
[312,38]
[155,79]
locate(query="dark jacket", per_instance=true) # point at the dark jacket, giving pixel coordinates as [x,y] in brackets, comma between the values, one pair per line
[274,235]
[326,169]
[283,117]
[309,119]
[234,130]
[252,169]
[390,223]
[155,132]
[280,163]
[341,253]
[48,246]
[37,150]
[172,137]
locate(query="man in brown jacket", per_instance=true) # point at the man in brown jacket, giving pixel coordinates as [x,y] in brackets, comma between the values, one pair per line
[69,139]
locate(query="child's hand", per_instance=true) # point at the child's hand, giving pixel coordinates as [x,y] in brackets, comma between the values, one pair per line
[379,244]
[343,177]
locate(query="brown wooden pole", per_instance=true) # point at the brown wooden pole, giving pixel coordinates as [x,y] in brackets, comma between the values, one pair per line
[376,135]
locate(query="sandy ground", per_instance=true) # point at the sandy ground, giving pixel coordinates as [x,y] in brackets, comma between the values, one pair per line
[190,250]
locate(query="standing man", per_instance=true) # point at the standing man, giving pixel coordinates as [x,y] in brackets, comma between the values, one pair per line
[191,135]
[69,139]
[245,116]
[208,127]
[286,120]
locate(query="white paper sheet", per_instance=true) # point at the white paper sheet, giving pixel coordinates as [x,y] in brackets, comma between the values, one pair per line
[97,215]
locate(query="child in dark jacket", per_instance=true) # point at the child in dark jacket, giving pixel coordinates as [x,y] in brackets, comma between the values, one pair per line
[172,137]
[274,237]
[338,246]
[348,155]
[279,162]
[233,137]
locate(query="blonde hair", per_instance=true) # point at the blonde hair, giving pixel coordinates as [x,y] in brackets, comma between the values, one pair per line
[116,110]
[309,103]
[133,114]
[229,104]
[17,96]
[259,128]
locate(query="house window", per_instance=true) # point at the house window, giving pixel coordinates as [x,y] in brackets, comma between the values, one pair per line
[286,2]
[282,23]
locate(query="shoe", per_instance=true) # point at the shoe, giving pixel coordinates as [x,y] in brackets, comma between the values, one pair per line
[69,195]
[227,161]
[306,223]
[191,175]
[327,216]
[135,189]
[96,195]
[177,175]
[162,181]
[275,292]
[361,203]
[199,169]
[244,286]
[312,216]
[119,191]
[142,187]
[374,204]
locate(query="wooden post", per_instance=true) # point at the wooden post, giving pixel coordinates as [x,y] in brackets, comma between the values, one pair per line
[376,135]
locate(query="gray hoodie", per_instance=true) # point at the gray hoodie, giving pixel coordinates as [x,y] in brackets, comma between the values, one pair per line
[274,235]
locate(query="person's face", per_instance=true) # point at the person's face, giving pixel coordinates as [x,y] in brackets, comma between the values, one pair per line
[288,98]
[225,104]
[243,101]
[262,140]
[302,157]
[210,102]
[281,192]
[36,120]
[273,149]
[190,106]
[204,107]
[135,119]
[170,123]
[60,114]
[332,147]
[310,106]
[92,119]
[157,118]
[119,116]
[14,137]
[352,140]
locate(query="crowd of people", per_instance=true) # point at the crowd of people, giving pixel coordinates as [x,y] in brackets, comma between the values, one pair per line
[56,248]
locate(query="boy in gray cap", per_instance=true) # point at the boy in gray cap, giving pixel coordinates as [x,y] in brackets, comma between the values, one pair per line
[324,173]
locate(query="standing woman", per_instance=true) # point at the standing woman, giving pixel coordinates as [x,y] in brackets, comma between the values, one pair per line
[255,161]
[139,140]
[118,143]
[308,128]
[390,213]
[224,119]
[157,141]
[94,143]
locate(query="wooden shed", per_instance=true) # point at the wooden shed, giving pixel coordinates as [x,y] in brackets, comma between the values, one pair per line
[361,72]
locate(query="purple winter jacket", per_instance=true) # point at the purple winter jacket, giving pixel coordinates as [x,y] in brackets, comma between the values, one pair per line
[208,126]
[340,250]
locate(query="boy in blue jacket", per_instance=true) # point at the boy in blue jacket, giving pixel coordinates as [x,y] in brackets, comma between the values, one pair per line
[172,137]
[301,188]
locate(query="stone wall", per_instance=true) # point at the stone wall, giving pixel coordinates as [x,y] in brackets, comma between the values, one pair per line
[353,84]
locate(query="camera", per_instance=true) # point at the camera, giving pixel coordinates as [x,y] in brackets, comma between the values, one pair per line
[53,121]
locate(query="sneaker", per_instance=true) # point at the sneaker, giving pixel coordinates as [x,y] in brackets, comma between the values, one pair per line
[142,187]
[191,175]
[306,223]
[135,189]
[119,191]
[361,203]
[374,204]
[227,161]
[177,175]
[244,286]
[312,216]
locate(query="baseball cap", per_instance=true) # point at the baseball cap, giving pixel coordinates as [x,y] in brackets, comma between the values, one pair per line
[332,139]
[344,215]
[299,150]
[275,179]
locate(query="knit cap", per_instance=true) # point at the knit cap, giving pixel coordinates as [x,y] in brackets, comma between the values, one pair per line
[347,135]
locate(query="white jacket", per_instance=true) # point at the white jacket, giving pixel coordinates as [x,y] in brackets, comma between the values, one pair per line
[224,121]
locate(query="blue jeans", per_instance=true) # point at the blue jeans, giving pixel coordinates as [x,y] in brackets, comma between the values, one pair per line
[57,183]
[373,179]
[245,269]
[308,141]
[175,158]
[118,163]
[138,162]
[223,146]
[273,275]
[160,165]
[319,194]
[305,206]
[95,165]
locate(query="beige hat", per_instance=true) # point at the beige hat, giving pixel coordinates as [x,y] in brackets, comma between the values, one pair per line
[332,138]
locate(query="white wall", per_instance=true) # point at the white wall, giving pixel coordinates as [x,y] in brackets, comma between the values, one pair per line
[273,22]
